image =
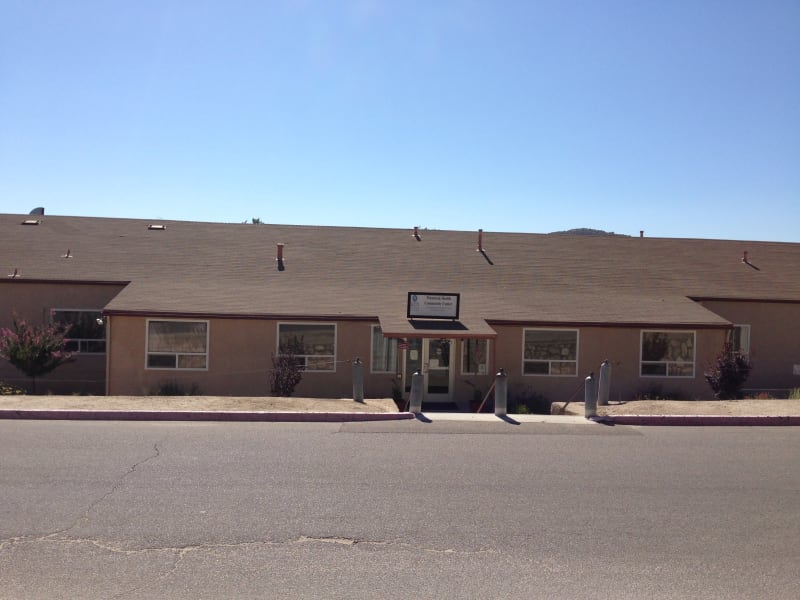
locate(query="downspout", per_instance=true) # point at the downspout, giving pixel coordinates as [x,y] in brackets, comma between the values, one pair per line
[108,354]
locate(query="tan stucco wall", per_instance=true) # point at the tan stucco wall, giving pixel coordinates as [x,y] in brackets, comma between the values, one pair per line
[32,302]
[239,361]
[774,339]
[618,345]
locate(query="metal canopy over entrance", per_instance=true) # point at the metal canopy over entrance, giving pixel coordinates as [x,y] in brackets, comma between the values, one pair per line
[468,327]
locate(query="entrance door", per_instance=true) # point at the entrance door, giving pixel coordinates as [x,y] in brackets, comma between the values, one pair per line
[433,356]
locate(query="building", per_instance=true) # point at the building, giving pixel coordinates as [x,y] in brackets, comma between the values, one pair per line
[206,306]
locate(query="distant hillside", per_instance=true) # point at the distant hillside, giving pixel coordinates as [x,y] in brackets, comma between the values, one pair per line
[586,231]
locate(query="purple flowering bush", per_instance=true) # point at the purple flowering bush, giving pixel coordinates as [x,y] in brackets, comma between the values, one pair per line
[35,350]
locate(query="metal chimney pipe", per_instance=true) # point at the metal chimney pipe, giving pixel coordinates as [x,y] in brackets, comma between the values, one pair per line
[480,240]
[280,252]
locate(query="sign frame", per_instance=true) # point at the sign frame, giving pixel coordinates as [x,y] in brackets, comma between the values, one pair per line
[433,305]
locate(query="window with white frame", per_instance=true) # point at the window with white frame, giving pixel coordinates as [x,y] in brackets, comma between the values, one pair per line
[384,352]
[740,339]
[667,354]
[312,344]
[177,344]
[474,357]
[550,352]
[86,330]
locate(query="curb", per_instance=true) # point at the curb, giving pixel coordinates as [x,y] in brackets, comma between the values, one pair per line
[698,420]
[225,416]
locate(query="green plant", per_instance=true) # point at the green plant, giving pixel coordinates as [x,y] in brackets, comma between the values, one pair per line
[527,401]
[9,390]
[794,394]
[35,350]
[173,388]
[286,373]
[728,373]
[655,392]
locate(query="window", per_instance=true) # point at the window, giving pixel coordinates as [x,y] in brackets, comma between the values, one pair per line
[87,331]
[667,354]
[384,352]
[740,339]
[312,344]
[177,344]
[550,352]
[475,357]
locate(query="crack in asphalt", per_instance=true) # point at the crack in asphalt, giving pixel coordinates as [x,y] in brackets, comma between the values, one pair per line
[85,516]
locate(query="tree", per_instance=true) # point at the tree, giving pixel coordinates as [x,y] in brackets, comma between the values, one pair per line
[727,376]
[35,350]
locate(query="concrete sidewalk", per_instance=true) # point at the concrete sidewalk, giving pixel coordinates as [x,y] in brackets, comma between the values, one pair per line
[268,409]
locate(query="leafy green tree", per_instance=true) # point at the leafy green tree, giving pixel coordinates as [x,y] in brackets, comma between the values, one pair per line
[35,350]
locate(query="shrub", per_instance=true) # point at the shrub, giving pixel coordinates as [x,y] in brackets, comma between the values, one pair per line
[286,373]
[728,374]
[9,390]
[35,350]
[794,394]
[527,401]
[173,388]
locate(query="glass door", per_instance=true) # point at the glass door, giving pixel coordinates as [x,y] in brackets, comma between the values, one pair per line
[433,356]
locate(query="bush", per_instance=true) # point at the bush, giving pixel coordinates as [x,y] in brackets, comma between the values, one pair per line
[285,375]
[173,388]
[35,350]
[727,376]
[794,394]
[525,400]
[9,390]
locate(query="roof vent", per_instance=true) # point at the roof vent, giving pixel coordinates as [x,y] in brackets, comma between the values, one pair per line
[279,258]
[15,274]
[68,254]
[31,222]
[154,227]
[480,240]
[39,210]
[416,233]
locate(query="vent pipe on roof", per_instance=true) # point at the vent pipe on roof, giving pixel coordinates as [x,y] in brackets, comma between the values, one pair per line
[279,258]
[745,260]
[15,274]
[416,233]
[68,254]
[480,240]
[641,233]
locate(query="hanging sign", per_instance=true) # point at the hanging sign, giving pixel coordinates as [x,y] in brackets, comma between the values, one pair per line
[429,305]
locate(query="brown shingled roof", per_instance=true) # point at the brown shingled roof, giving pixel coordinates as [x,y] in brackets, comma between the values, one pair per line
[344,272]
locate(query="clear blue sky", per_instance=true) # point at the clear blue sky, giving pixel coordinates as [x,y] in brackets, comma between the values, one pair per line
[679,117]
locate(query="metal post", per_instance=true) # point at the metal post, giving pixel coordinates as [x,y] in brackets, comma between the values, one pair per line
[604,387]
[590,397]
[358,380]
[415,398]
[501,393]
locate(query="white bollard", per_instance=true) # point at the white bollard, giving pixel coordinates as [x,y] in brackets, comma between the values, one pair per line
[604,387]
[501,393]
[358,380]
[415,397]
[590,397]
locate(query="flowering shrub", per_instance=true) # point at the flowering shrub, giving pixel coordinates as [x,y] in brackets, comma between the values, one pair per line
[35,350]
[727,376]
[285,375]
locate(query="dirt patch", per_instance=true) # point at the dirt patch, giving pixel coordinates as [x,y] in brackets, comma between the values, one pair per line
[748,408]
[199,403]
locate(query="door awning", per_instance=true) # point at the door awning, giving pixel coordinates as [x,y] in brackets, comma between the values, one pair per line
[467,327]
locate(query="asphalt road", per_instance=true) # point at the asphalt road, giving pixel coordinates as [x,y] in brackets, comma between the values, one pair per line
[397,510]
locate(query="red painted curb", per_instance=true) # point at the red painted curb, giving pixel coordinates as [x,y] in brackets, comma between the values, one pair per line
[699,420]
[225,416]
